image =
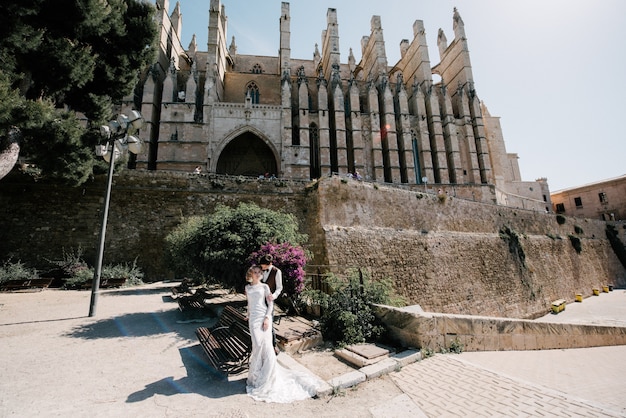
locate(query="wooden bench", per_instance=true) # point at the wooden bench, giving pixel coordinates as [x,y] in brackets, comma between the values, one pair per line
[113,282]
[183,289]
[21,284]
[194,301]
[228,344]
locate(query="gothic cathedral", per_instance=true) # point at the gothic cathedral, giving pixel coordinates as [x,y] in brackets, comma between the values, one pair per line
[249,115]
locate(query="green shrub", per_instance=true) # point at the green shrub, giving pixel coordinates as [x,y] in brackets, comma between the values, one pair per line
[79,278]
[215,247]
[179,242]
[560,219]
[578,230]
[70,265]
[427,352]
[347,314]
[130,272]
[16,271]
[456,346]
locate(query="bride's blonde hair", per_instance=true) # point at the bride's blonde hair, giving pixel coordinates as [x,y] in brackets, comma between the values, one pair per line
[253,271]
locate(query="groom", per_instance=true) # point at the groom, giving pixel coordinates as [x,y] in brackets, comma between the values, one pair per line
[273,277]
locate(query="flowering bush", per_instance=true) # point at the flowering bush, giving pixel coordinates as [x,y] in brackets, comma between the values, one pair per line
[290,259]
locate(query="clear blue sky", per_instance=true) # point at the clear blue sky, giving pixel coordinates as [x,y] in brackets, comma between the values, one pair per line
[552,70]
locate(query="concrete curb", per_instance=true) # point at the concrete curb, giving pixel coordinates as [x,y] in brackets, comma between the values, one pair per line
[348,380]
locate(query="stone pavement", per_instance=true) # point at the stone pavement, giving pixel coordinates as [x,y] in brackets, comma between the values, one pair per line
[136,359]
[575,382]
[448,385]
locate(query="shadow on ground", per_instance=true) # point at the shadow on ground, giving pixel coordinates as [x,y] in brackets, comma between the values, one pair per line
[140,324]
[201,379]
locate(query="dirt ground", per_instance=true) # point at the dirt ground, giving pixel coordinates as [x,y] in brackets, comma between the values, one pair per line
[136,357]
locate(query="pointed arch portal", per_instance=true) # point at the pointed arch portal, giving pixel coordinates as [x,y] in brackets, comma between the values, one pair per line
[247,155]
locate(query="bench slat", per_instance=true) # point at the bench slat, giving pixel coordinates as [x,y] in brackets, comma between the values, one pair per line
[228,344]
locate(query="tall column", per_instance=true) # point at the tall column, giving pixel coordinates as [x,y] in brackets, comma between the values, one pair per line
[404,136]
[302,152]
[453,153]
[482,148]
[285,38]
[356,123]
[287,125]
[377,146]
[390,140]
[437,143]
[323,130]
[422,136]
[473,171]
[340,121]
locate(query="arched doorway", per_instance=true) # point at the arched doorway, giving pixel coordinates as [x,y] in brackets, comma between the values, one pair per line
[247,155]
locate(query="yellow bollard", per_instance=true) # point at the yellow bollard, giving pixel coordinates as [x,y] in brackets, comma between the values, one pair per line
[558,306]
[579,297]
[605,289]
[596,292]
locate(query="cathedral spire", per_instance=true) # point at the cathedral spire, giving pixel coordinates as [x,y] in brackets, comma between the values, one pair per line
[232,49]
[458,25]
[193,47]
[442,42]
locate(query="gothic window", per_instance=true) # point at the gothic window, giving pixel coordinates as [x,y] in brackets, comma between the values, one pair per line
[252,90]
[316,171]
[602,197]
[257,69]
[295,138]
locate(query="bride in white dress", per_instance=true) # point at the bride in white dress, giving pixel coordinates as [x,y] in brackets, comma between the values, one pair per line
[267,380]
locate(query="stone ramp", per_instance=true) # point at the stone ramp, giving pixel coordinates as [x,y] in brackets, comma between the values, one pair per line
[446,385]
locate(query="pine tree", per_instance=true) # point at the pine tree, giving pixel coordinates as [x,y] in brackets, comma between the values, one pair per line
[60,57]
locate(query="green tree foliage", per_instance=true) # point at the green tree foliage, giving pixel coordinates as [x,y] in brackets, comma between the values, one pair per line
[65,56]
[216,247]
[347,315]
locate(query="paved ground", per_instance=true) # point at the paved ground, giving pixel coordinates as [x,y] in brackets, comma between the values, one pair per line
[574,382]
[135,359]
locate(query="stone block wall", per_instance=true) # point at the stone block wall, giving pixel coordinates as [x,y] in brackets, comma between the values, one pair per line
[39,220]
[454,256]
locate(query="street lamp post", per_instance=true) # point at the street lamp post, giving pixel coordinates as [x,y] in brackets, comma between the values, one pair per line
[119,137]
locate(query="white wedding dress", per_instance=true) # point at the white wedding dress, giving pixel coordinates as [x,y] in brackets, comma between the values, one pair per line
[267,380]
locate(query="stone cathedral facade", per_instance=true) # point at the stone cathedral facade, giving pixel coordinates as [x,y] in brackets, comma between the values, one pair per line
[251,115]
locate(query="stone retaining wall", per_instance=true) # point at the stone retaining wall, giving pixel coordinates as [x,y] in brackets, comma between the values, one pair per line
[40,220]
[480,333]
[444,253]
[458,256]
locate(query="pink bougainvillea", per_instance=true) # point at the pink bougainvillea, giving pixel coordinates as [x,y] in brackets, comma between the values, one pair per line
[290,260]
